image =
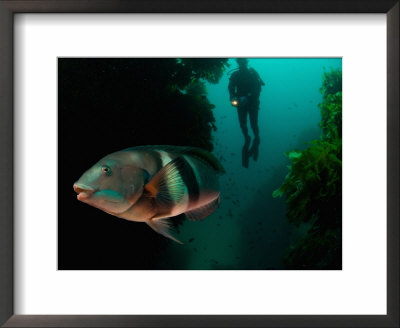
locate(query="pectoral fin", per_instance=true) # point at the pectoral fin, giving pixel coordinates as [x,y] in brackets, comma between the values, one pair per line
[167,186]
[162,226]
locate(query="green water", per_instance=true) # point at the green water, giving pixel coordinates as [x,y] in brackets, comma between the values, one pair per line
[249,230]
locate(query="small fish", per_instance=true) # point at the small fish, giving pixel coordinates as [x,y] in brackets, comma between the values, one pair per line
[153,183]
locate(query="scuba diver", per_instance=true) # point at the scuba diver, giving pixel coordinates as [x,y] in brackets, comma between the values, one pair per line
[244,91]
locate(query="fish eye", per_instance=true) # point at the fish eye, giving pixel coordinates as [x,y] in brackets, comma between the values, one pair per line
[106,170]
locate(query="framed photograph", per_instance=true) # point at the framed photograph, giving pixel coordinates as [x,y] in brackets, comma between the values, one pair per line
[199,164]
[199,108]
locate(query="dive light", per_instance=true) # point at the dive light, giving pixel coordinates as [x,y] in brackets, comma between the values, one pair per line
[242,101]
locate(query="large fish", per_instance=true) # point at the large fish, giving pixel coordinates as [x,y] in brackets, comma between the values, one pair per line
[153,183]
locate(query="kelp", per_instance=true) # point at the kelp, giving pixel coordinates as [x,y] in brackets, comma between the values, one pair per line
[196,88]
[312,183]
[331,83]
[313,186]
[318,250]
[209,69]
[331,116]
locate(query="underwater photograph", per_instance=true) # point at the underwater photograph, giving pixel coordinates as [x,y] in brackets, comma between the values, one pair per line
[199,164]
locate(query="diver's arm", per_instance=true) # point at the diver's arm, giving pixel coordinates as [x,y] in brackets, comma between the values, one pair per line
[259,78]
[232,89]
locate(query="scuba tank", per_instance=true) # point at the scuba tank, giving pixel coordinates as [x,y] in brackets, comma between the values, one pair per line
[229,73]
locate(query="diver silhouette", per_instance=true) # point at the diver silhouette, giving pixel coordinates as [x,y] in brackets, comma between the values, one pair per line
[244,91]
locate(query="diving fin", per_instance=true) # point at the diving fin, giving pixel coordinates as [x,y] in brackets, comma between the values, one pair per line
[254,148]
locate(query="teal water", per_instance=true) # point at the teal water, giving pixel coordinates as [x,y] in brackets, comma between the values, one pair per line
[249,230]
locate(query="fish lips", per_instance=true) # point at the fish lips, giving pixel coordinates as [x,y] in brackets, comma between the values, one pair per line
[84,192]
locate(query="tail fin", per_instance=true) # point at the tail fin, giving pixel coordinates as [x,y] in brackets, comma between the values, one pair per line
[162,226]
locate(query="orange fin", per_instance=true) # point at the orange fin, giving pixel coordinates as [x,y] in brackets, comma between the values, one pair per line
[167,186]
[162,226]
[202,212]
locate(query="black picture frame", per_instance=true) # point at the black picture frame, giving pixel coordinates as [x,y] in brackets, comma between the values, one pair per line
[10,7]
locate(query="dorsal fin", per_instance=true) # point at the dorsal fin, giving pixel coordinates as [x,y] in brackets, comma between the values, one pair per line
[204,156]
[195,152]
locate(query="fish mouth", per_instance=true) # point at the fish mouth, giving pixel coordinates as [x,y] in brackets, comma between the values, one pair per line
[83,191]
